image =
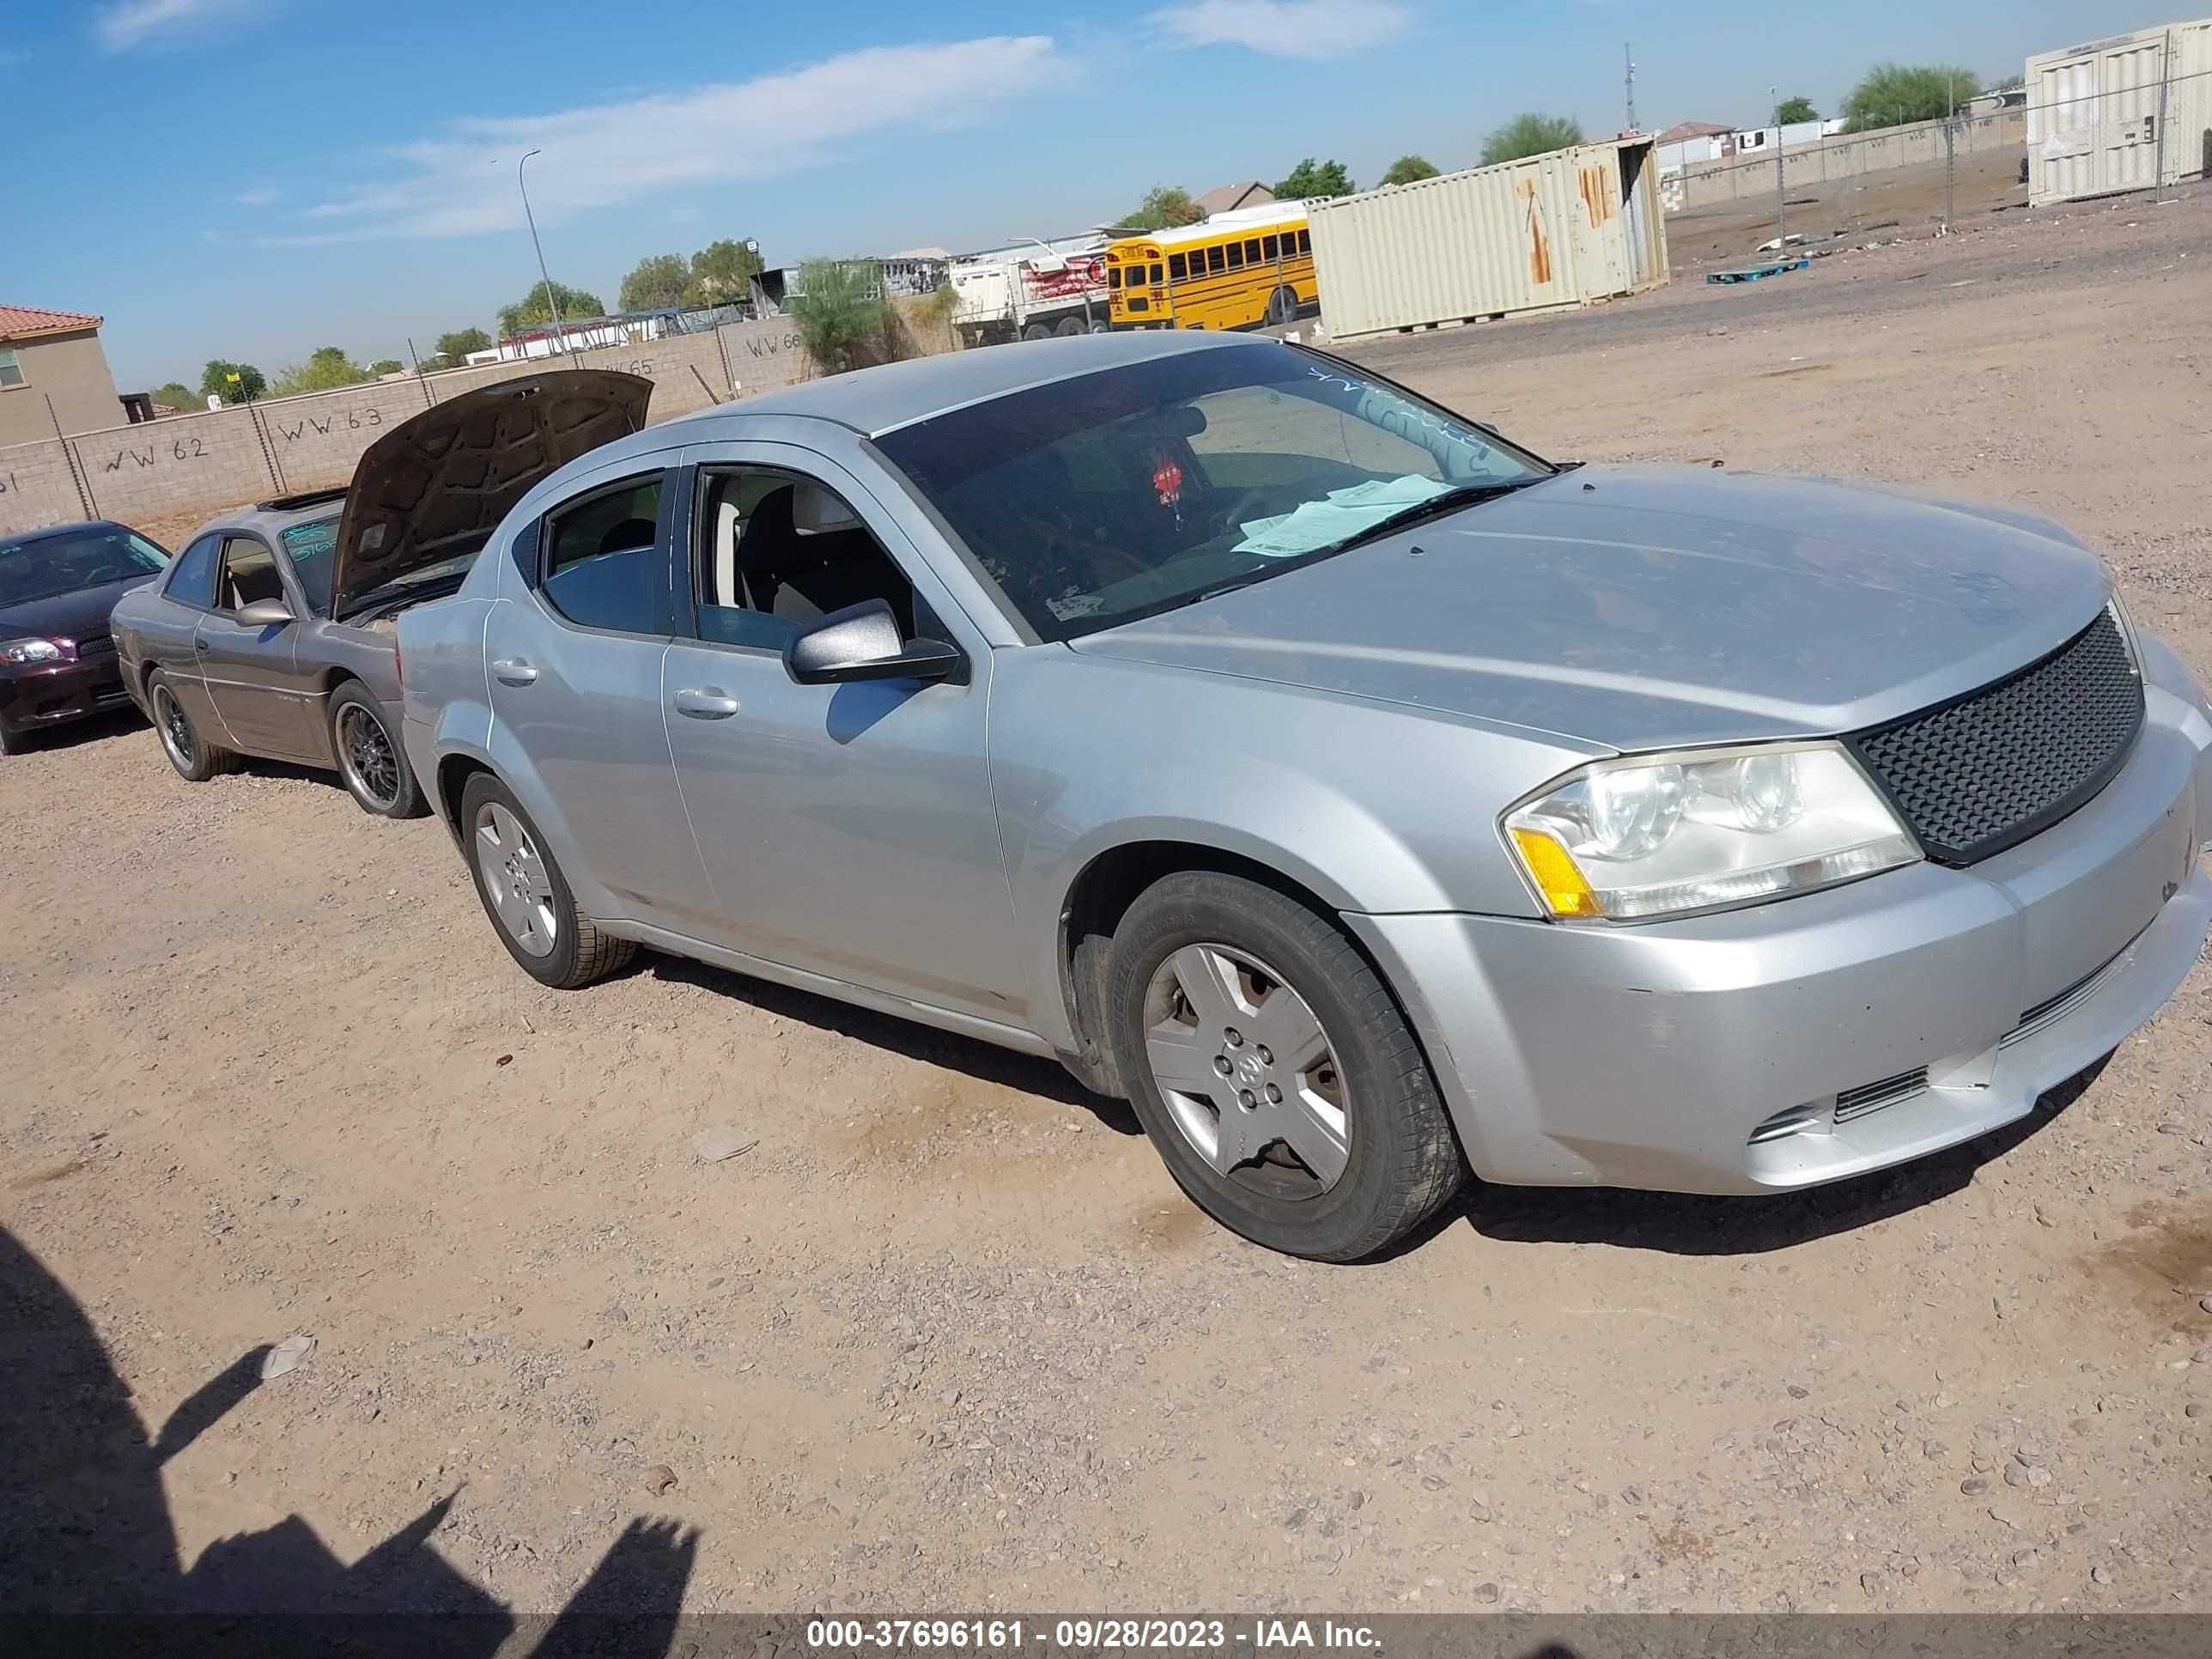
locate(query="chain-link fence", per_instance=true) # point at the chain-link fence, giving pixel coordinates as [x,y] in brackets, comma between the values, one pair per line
[2142,134]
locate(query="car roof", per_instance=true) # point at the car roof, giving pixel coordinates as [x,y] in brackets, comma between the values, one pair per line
[268,522]
[75,527]
[874,401]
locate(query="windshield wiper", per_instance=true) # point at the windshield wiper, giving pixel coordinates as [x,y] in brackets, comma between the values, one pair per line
[1437,505]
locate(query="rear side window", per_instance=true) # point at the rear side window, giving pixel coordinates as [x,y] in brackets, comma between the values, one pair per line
[1236,256]
[1214,257]
[1177,268]
[193,579]
[602,566]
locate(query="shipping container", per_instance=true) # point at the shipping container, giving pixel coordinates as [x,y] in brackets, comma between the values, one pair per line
[1561,229]
[2130,112]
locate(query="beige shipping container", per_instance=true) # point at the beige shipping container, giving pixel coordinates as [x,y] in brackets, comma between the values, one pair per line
[1560,229]
[2127,113]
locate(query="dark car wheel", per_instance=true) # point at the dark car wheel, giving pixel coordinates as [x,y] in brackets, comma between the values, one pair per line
[370,760]
[526,897]
[196,759]
[1273,1072]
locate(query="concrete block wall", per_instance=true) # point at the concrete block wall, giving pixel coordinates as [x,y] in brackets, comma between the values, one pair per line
[218,459]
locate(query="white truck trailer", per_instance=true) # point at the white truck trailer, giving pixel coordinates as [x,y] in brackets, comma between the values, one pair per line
[1010,293]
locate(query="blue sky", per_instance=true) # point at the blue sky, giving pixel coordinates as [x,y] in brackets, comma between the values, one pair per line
[254,178]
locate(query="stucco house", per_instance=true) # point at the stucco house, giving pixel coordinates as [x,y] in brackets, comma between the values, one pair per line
[53,355]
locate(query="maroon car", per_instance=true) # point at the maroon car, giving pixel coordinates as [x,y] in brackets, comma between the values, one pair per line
[57,588]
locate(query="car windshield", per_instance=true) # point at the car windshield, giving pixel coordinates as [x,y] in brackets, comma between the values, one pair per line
[310,547]
[1097,500]
[45,566]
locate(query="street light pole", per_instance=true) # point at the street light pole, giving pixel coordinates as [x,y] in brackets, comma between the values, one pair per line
[552,301]
[1090,322]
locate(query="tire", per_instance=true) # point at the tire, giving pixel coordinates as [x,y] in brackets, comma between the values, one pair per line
[575,950]
[1070,328]
[1399,1160]
[1283,306]
[371,760]
[1038,331]
[196,759]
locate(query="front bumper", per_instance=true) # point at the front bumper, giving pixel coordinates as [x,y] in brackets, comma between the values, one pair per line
[32,697]
[1935,1005]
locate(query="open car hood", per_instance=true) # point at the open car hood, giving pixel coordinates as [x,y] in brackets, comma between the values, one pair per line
[435,487]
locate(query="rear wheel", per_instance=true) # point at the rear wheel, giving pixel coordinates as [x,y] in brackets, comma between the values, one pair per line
[528,899]
[196,759]
[1273,1072]
[1283,305]
[370,759]
[1070,327]
[1038,331]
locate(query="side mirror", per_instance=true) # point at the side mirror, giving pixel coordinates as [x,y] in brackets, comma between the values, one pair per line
[862,643]
[264,613]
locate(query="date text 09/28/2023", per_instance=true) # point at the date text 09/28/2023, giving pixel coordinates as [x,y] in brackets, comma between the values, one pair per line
[1082,1635]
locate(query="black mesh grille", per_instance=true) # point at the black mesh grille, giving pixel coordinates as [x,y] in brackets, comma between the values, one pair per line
[1975,776]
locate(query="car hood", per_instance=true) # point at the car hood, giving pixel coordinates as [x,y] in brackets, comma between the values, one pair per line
[435,487]
[79,615]
[1646,607]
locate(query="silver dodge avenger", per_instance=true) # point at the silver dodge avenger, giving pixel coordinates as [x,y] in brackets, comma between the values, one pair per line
[1362,797]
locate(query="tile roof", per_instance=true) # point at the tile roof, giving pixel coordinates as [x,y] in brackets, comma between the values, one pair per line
[21,322]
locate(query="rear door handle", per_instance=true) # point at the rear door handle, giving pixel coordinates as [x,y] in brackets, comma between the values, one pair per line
[512,671]
[706,704]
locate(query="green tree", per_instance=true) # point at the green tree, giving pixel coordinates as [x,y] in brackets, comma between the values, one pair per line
[1530,134]
[1311,179]
[455,348]
[721,273]
[656,282]
[216,381]
[844,320]
[1893,93]
[531,311]
[1795,110]
[176,394]
[2005,82]
[1409,169]
[327,367]
[1164,207]
[387,366]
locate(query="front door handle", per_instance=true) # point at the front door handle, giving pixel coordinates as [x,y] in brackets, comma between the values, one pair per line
[707,704]
[199,644]
[512,671]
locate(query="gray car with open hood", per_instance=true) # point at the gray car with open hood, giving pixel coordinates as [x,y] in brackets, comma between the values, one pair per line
[1362,797]
[272,633]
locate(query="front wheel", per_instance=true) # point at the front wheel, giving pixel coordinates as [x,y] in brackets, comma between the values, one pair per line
[370,759]
[1273,1072]
[1282,306]
[526,897]
[196,759]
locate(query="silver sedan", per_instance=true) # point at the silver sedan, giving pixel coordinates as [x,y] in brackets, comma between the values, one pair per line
[1362,797]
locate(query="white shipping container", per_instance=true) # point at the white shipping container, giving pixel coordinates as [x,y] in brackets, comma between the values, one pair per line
[2126,113]
[1561,229]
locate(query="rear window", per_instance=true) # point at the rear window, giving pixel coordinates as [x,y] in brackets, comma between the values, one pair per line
[309,546]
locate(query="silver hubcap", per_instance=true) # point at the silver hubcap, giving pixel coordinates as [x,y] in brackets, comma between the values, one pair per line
[1246,1070]
[515,878]
[176,730]
[366,753]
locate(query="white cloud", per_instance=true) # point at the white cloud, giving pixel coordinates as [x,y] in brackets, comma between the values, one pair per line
[123,26]
[463,183]
[260,195]
[1285,28]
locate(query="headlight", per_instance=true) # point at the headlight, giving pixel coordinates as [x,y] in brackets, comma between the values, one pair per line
[1659,834]
[28,651]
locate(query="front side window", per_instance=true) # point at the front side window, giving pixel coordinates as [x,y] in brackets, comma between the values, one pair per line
[601,566]
[42,567]
[1097,500]
[191,581]
[773,552]
[249,573]
[1113,276]
[11,366]
[309,546]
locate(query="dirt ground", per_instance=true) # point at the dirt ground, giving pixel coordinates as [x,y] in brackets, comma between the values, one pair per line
[946,1337]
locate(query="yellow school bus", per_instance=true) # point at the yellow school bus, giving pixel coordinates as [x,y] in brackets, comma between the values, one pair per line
[1237,271]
